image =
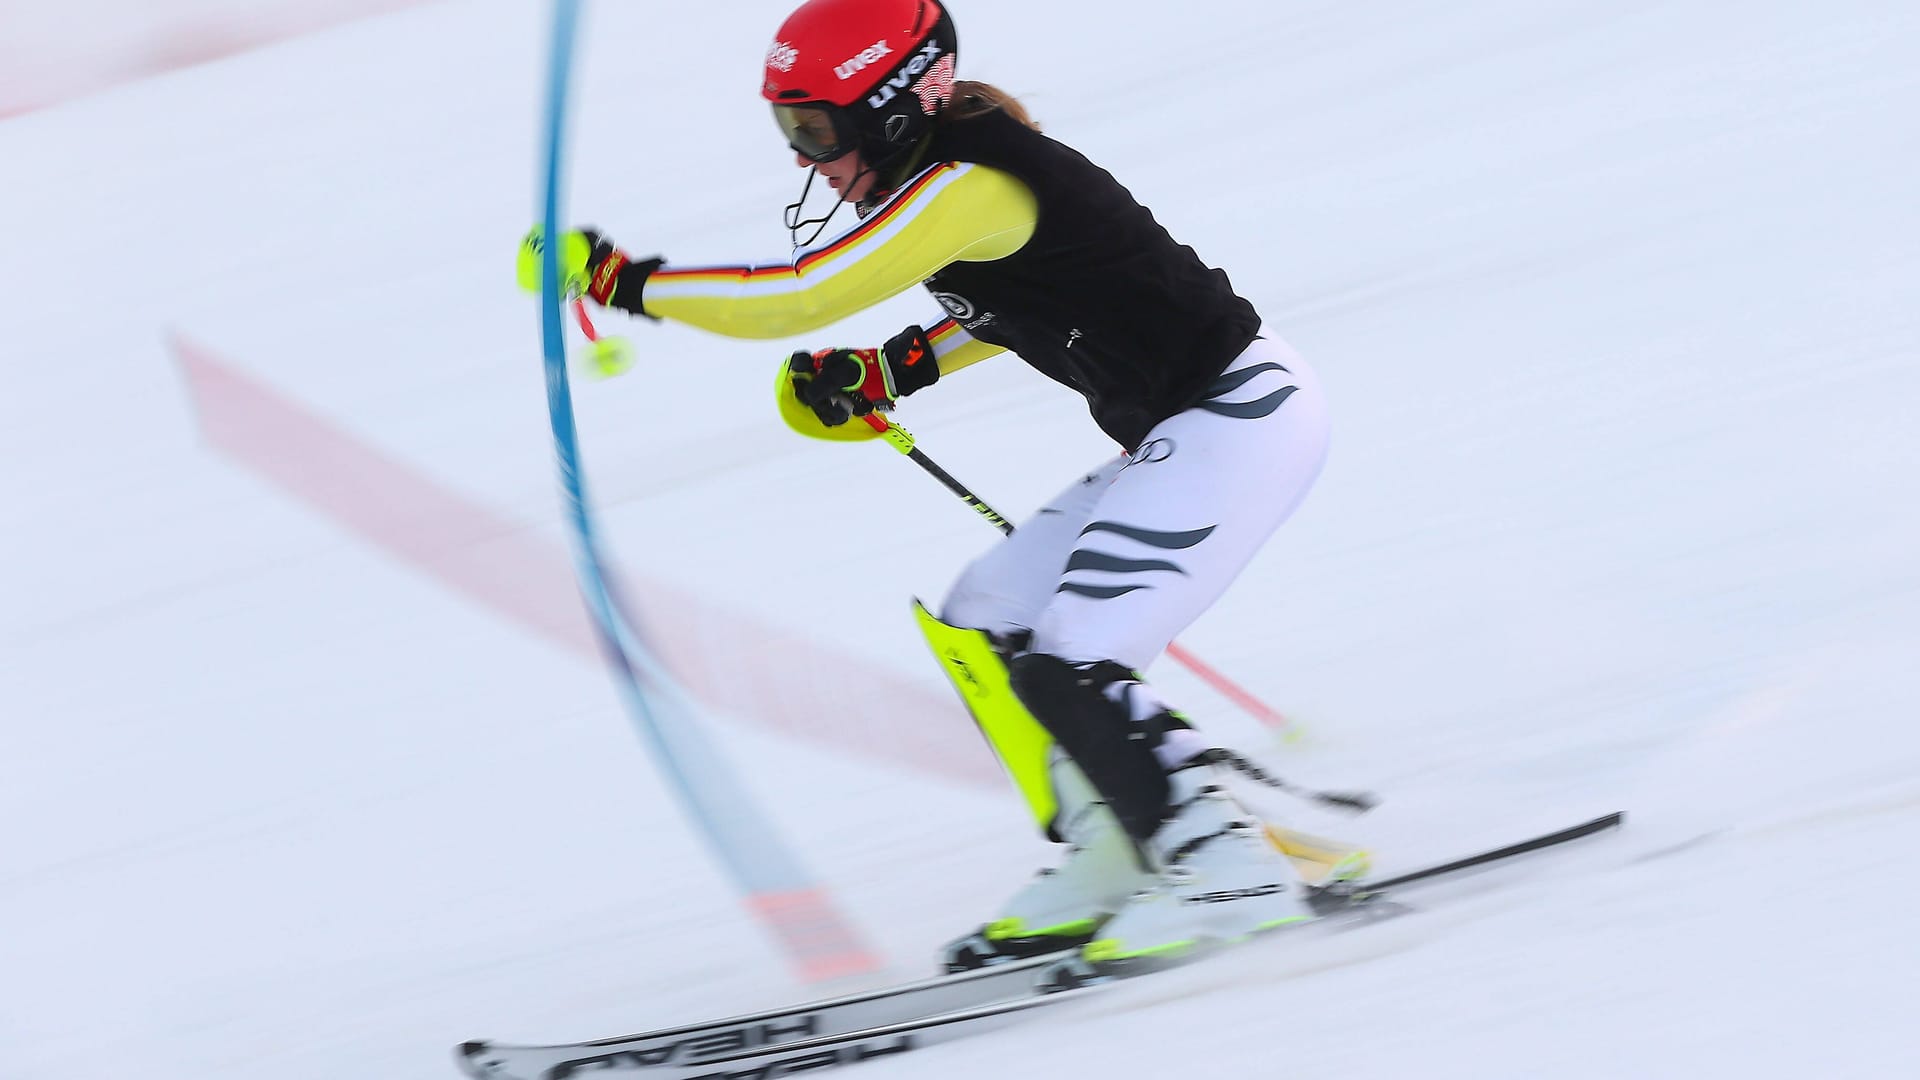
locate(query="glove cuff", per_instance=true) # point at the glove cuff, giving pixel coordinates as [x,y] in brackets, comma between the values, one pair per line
[606,278]
[910,361]
[631,280]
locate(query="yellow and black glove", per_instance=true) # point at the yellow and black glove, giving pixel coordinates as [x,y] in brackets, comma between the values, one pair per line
[590,266]
[839,384]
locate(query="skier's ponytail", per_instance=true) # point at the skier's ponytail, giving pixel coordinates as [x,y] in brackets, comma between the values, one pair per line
[971,99]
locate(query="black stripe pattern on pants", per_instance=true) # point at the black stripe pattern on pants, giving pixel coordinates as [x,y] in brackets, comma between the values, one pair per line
[1087,559]
[1245,410]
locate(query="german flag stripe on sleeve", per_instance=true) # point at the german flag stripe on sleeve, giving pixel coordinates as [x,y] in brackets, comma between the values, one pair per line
[952,211]
[954,348]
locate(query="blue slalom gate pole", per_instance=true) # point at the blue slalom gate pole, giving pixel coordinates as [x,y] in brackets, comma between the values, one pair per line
[817,939]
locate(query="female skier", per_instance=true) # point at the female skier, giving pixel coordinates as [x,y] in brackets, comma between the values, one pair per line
[1031,249]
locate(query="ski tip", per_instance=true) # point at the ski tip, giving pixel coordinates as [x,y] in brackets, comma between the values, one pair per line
[476,1060]
[1358,802]
[1598,825]
[1603,823]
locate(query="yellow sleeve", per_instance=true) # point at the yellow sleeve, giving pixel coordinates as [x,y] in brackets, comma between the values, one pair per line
[954,348]
[953,212]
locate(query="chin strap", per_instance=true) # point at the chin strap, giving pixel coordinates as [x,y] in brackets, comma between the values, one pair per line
[795,223]
[899,163]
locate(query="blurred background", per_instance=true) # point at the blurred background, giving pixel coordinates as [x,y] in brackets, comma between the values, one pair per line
[53,52]
[309,767]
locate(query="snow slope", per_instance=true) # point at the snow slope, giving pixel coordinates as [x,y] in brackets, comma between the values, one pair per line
[1615,307]
[53,52]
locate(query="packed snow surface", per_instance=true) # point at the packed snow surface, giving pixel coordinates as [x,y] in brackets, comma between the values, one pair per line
[1616,308]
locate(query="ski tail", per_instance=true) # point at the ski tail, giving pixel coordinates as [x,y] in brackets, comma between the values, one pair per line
[1546,840]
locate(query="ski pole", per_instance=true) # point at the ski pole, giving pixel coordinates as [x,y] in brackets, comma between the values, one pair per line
[903,441]
[606,356]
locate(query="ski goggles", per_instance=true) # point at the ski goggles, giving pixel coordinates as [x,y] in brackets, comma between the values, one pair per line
[817,132]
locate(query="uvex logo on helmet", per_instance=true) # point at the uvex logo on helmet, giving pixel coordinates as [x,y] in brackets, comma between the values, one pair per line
[908,72]
[869,55]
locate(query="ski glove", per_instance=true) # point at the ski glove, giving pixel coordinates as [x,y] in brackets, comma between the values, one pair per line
[590,266]
[838,384]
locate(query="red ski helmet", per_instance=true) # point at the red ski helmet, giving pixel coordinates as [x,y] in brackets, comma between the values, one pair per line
[867,75]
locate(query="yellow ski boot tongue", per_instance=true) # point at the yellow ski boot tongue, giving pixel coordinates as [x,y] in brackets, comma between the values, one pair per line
[1319,860]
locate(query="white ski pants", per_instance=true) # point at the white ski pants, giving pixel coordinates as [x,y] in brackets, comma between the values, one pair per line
[1115,566]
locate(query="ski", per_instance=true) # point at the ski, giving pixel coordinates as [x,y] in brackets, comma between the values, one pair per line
[811,1055]
[894,1020]
[1545,840]
[760,1033]
[1358,898]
